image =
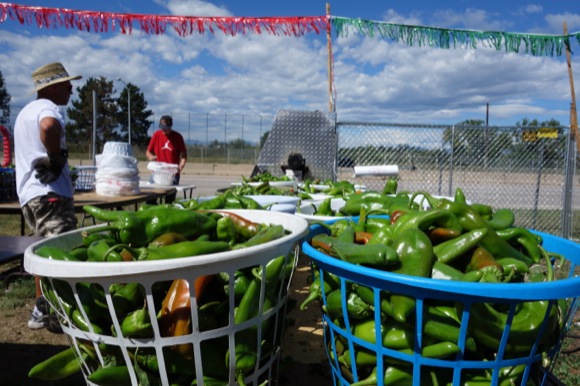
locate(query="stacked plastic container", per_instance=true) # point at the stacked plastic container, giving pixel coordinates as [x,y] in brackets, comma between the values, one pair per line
[117,171]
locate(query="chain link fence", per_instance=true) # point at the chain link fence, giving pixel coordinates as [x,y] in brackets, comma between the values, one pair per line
[529,170]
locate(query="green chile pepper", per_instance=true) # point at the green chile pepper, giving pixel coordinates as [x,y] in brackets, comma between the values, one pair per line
[183,249]
[248,203]
[324,209]
[450,250]
[88,238]
[443,328]
[375,224]
[315,291]
[485,211]
[265,235]
[241,283]
[415,252]
[246,354]
[210,381]
[487,325]
[355,306]
[371,201]
[524,239]
[80,253]
[226,231]
[137,325]
[104,250]
[58,366]
[394,335]
[217,202]
[391,186]
[140,228]
[470,220]
[55,253]
[442,271]
[423,220]
[502,219]
[373,254]
[394,375]
[111,376]
[128,297]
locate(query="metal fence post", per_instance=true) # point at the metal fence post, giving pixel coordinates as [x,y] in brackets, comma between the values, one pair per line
[569,165]
[451,160]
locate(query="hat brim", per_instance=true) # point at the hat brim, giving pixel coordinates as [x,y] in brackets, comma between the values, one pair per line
[60,80]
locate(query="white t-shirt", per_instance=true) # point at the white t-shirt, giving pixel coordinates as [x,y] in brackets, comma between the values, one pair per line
[28,148]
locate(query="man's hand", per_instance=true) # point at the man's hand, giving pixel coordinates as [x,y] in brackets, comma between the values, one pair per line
[49,168]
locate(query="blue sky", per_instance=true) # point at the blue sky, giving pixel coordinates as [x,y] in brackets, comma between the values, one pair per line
[375,79]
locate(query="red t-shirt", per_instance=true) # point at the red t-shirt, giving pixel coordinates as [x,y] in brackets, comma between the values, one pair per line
[167,148]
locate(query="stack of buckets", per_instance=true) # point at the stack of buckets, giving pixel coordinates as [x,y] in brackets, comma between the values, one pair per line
[117,171]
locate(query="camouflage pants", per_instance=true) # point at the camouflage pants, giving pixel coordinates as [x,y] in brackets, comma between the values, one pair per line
[50,215]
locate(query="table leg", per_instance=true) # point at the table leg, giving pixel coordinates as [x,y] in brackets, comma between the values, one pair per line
[22,225]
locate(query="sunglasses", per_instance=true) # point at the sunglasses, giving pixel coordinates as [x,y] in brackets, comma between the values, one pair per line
[164,127]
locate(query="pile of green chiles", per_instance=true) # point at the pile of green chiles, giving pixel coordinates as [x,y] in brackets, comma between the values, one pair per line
[448,239]
[165,232]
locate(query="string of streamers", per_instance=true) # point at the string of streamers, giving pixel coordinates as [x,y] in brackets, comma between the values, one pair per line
[534,44]
[157,24]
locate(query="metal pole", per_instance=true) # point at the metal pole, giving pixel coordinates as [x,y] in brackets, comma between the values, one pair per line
[129,109]
[451,159]
[568,192]
[94,127]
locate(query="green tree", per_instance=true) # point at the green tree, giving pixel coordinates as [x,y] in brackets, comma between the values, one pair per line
[140,122]
[239,144]
[80,126]
[264,138]
[4,102]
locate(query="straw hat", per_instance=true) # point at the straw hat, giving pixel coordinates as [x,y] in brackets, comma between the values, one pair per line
[50,74]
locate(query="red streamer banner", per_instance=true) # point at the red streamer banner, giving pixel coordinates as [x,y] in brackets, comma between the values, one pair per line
[157,24]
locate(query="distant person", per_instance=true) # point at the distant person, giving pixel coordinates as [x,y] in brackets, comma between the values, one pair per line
[43,183]
[168,146]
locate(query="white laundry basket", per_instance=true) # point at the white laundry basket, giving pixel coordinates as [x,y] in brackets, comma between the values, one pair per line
[90,287]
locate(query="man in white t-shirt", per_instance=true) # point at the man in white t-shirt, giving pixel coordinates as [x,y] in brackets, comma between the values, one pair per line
[43,182]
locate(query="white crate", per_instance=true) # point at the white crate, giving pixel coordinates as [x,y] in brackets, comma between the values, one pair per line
[86,178]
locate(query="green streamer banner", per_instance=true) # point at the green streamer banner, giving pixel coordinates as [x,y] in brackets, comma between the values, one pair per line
[412,35]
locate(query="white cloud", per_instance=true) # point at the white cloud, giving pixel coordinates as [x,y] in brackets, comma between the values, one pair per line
[376,80]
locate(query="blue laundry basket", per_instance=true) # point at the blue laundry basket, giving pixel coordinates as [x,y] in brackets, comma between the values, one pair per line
[531,364]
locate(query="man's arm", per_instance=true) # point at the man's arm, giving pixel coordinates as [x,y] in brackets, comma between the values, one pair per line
[182,160]
[150,156]
[50,132]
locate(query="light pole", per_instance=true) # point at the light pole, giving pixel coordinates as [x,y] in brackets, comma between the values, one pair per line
[128,108]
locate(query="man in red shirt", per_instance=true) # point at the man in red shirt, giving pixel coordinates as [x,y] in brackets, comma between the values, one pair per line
[167,146]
